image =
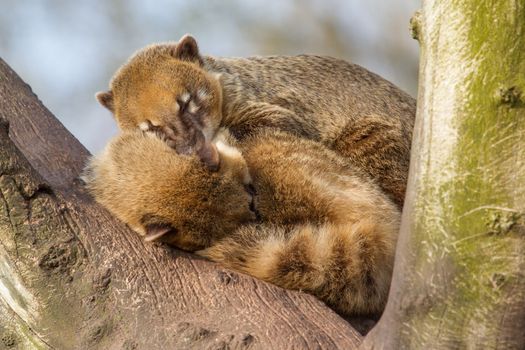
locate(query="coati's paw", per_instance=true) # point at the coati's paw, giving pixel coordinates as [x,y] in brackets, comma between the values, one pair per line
[186,135]
[184,132]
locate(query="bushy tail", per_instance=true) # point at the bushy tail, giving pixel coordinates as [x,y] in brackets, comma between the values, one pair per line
[349,267]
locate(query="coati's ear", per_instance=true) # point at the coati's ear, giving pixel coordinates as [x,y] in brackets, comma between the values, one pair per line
[187,49]
[105,98]
[156,231]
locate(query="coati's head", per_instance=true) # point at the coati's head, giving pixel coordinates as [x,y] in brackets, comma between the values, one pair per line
[171,197]
[158,83]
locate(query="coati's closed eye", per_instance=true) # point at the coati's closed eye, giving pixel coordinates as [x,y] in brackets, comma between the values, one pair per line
[252,192]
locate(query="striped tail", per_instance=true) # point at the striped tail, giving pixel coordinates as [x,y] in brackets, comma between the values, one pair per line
[349,267]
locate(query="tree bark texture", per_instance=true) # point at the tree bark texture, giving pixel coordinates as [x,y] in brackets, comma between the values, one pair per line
[73,277]
[460,264]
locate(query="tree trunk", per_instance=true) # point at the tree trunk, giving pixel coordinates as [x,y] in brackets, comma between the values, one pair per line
[459,272]
[73,277]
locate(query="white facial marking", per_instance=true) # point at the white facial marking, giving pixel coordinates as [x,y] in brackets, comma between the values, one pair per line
[144,126]
[227,150]
[247,179]
[202,94]
[185,97]
[192,107]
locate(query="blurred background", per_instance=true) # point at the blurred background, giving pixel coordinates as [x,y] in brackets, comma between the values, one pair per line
[68,50]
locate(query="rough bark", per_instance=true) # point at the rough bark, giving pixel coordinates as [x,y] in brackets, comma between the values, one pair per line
[459,272]
[73,277]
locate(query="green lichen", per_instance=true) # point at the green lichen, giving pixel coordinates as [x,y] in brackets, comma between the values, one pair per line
[8,339]
[415,25]
[510,96]
[500,223]
[31,340]
[467,259]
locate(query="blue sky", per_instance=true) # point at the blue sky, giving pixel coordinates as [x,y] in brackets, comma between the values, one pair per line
[68,50]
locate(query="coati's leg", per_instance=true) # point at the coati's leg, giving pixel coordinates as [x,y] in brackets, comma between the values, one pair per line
[381,148]
[347,266]
[253,116]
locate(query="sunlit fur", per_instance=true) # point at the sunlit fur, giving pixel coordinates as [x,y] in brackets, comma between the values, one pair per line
[320,227]
[152,85]
[144,182]
[347,108]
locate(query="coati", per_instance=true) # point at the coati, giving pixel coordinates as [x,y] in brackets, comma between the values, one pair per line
[276,206]
[361,116]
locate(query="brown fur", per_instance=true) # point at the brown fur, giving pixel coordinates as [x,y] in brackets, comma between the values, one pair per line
[347,108]
[315,223]
[146,184]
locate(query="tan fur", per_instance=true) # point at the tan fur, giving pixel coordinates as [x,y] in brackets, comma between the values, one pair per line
[347,108]
[317,224]
[144,182]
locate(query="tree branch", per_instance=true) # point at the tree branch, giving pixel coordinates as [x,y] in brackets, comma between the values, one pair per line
[72,276]
[459,277]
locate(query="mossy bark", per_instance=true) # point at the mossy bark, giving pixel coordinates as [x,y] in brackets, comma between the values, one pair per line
[459,272]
